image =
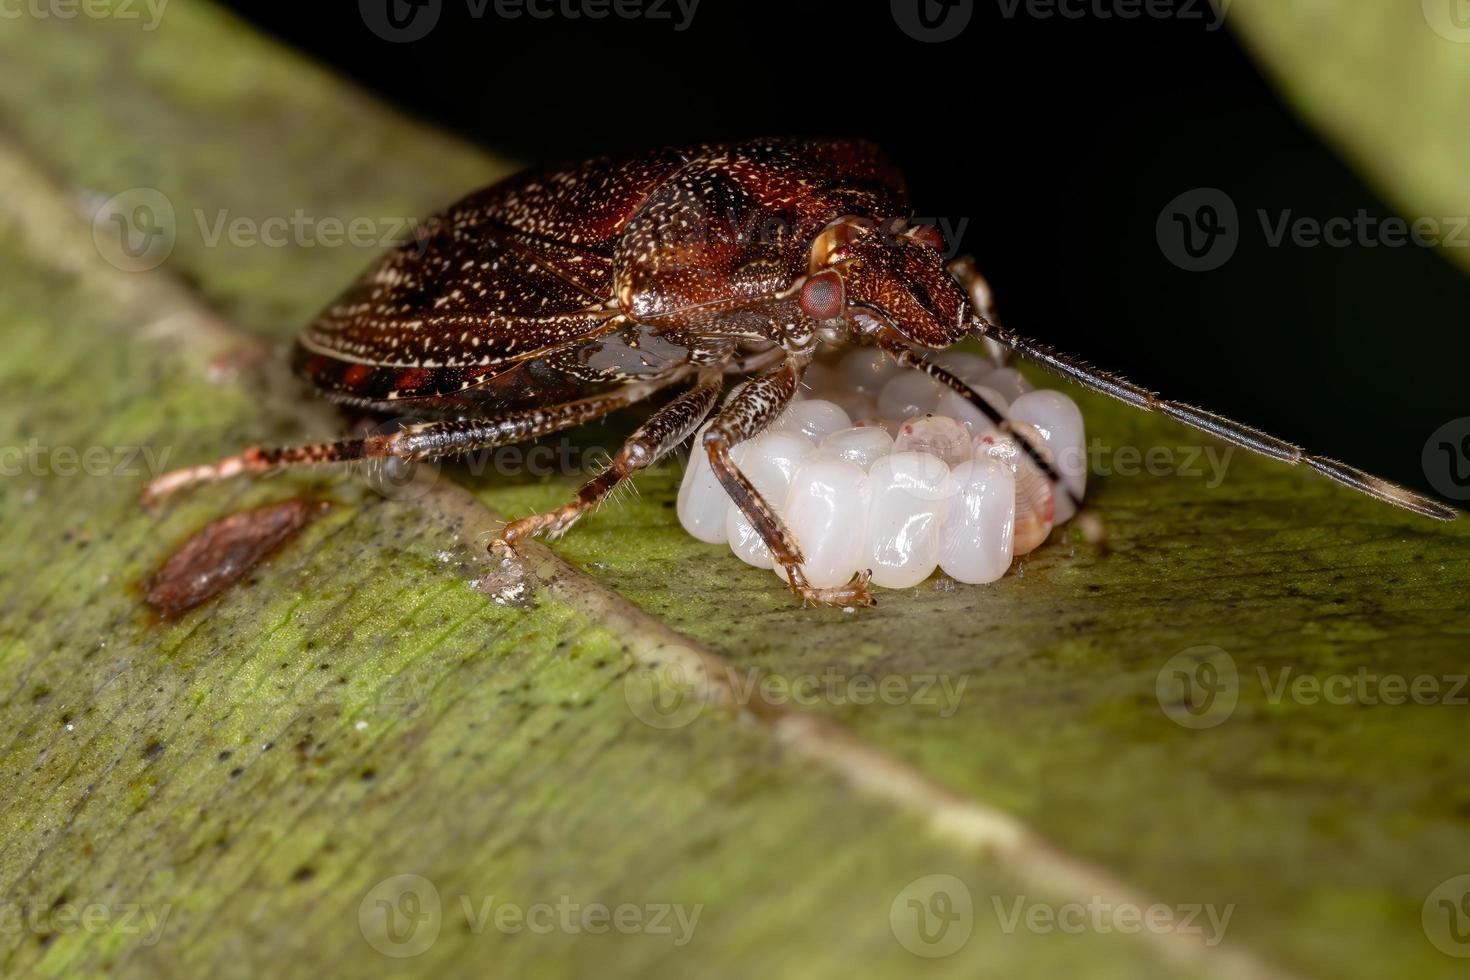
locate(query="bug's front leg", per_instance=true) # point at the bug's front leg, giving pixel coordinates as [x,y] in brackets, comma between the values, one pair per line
[667,428]
[753,406]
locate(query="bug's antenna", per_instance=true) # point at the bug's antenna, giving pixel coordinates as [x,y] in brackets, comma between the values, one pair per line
[1228,430]
[907,357]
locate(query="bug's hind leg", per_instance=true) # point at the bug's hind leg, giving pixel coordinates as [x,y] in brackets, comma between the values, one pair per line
[428,440]
[667,428]
[752,407]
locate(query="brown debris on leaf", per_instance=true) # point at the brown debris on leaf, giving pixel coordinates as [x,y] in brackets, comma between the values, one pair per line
[224,552]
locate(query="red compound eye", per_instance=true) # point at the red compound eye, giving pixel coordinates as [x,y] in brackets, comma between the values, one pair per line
[821,296]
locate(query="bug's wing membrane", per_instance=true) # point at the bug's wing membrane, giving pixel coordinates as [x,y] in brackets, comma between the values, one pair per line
[514,271]
[584,205]
[451,311]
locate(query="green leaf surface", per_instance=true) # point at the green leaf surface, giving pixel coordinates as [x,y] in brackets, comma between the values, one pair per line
[1386,83]
[379,700]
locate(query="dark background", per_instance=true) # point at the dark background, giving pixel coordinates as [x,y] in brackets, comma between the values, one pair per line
[1060,141]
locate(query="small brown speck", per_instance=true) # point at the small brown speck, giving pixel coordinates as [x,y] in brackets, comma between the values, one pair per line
[224,553]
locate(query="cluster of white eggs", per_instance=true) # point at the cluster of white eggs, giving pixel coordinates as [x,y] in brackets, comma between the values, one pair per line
[885,469]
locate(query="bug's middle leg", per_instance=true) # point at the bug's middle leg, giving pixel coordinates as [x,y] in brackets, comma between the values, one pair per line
[753,406]
[667,428]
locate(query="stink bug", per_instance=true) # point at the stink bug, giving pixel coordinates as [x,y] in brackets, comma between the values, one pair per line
[558,296]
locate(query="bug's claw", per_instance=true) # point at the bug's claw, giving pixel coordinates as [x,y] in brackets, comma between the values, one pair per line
[855,593]
[553,525]
[561,527]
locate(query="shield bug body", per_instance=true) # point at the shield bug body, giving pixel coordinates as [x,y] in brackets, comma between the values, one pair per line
[558,296]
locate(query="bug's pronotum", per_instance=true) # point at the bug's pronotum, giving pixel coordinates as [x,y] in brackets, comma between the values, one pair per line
[558,296]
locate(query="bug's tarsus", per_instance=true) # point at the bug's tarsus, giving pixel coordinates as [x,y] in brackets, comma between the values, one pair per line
[1236,433]
[666,429]
[256,460]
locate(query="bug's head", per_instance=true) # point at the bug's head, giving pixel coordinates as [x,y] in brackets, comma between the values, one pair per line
[894,272]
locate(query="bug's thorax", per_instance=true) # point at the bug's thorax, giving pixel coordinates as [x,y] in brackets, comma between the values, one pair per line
[851,280]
